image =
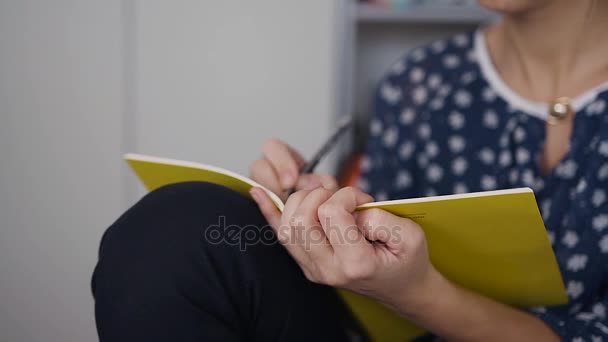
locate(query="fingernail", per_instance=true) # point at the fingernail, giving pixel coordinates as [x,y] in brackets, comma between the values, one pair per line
[288,180]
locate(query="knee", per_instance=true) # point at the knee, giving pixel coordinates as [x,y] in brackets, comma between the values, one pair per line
[175,222]
[165,237]
[178,213]
[160,237]
[187,195]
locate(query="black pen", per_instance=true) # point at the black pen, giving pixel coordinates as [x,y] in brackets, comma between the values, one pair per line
[343,126]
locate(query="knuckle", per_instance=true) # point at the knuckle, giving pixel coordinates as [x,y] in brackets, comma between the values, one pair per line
[351,190]
[354,271]
[297,220]
[372,218]
[374,215]
[327,210]
[256,166]
[283,234]
[329,182]
[321,192]
[299,195]
[270,144]
[418,237]
[415,234]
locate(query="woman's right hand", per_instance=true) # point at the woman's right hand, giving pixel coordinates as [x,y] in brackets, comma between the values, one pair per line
[278,169]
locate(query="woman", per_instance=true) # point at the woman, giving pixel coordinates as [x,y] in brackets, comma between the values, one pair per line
[521,103]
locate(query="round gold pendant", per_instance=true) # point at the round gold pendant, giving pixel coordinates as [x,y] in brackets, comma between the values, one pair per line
[559,110]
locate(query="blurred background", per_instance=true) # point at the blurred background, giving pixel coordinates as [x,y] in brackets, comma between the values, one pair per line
[84,81]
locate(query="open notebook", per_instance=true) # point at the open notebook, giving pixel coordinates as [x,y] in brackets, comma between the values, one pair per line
[492,242]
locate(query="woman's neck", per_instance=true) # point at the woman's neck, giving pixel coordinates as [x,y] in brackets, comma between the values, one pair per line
[554,50]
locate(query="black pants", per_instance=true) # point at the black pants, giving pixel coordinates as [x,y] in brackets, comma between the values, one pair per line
[170,270]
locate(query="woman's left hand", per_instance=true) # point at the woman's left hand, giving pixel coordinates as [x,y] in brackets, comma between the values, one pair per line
[371,252]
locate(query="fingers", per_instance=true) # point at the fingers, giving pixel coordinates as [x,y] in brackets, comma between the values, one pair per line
[289,231]
[267,206]
[293,202]
[315,180]
[279,170]
[338,222]
[284,160]
[307,222]
[297,156]
[262,172]
[398,234]
[286,234]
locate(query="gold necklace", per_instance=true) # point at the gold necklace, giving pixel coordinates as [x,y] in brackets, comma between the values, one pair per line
[560,110]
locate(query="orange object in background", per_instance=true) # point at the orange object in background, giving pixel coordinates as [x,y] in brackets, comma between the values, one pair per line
[350,171]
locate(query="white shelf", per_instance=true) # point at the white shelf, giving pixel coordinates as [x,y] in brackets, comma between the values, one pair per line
[446,14]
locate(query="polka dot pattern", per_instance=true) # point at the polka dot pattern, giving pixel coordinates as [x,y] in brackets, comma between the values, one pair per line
[440,128]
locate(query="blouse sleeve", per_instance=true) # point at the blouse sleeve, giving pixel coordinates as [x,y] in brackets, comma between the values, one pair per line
[388,164]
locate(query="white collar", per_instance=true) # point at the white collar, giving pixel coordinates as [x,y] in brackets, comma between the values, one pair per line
[534,108]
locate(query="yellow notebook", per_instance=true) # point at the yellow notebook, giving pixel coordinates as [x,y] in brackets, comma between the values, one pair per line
[492,242]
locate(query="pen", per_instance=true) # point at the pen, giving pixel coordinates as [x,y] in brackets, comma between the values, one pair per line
[343,126]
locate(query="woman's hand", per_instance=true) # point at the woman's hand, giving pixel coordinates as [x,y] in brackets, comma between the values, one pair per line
[371,252]
[385,257]
[279,170]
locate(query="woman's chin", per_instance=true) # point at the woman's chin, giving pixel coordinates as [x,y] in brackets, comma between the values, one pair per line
[512,6]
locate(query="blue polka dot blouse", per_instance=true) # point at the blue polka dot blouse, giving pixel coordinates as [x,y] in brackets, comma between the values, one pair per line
[446,123]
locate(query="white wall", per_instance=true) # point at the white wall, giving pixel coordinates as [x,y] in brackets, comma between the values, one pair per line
[60,182]
[217,78]
[82,81]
